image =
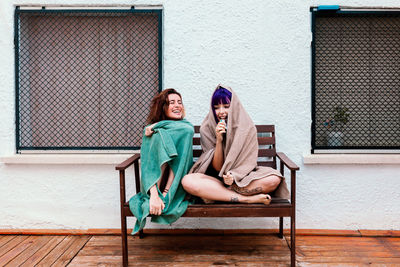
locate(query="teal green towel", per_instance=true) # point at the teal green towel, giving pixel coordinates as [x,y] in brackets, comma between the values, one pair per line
[172,143]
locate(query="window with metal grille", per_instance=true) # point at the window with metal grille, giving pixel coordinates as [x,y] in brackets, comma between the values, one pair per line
[85,78]
[356,80]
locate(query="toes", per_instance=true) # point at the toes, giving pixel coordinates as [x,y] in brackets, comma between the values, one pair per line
[267,200]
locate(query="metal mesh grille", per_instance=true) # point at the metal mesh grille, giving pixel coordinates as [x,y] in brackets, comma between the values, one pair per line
[85,79]
[357,81]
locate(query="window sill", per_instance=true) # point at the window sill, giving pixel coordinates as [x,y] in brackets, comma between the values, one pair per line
[65,159]
[354,159]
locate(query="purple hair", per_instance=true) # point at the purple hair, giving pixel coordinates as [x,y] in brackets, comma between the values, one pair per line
[220,96]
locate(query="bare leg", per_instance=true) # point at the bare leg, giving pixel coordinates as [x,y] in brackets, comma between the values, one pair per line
[163,168]
[171,177]
[165,182]
[263,185]
[208,187]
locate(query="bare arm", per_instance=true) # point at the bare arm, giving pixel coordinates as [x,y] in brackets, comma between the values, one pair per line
[156,203]
[171,177]
[218,159]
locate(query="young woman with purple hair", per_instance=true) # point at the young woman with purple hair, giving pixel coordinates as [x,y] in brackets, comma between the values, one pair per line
[227,169]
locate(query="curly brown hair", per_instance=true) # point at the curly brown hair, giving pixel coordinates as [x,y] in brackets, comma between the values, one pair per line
[159,106]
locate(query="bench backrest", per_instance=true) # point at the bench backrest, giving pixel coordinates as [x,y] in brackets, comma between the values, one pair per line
[266,145]
[266,149]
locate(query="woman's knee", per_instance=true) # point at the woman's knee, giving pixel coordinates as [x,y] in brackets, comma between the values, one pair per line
[275,181]
[270,183]
[190,182]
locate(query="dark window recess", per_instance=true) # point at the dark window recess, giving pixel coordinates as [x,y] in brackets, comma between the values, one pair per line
[85,78]
[356,80]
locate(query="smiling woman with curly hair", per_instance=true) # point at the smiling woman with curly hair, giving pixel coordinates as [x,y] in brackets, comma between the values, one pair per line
[166,156]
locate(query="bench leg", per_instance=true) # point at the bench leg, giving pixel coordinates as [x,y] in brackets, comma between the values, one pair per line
[141,234]
[124,238]
[292,241]
[280,235]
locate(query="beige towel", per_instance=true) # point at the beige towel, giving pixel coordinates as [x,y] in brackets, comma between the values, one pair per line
[240,148]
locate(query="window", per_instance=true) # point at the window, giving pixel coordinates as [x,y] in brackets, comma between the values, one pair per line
[356,80]
[85,78]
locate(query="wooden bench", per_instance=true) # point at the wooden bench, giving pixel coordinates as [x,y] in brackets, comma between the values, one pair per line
[267,157]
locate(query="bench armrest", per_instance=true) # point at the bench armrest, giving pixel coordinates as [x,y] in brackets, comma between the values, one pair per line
[134,159]
[287,162]
[126,163]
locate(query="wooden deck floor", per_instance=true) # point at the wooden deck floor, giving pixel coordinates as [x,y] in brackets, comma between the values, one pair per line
[198,250]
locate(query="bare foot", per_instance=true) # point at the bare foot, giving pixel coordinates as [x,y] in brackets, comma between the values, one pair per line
[259,198]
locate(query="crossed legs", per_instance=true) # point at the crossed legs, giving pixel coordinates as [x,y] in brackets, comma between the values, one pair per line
[263,185]
[210,188]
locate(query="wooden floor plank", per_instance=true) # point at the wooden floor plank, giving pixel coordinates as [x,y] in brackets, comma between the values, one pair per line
[52,242]
[346,260]
[348,264]
[5,239]
[211,247]
[264,239]
[70,253]
[89,261]
[11,244]
[364,241]
[37,243]
[205,240]
[133,261]
[346,253]
[16,250]
[54,254]
[391,245]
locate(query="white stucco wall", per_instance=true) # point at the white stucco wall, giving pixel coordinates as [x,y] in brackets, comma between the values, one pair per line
[259,48]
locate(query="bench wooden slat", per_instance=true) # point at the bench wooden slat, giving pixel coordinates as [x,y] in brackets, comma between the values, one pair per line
[273,210]
[259,163]
[265,128]
[277,208]
[260,128]
[261,140]
[197,152]
[266,140]
[266,164]
[261,152]
[267,152]
[196,141]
